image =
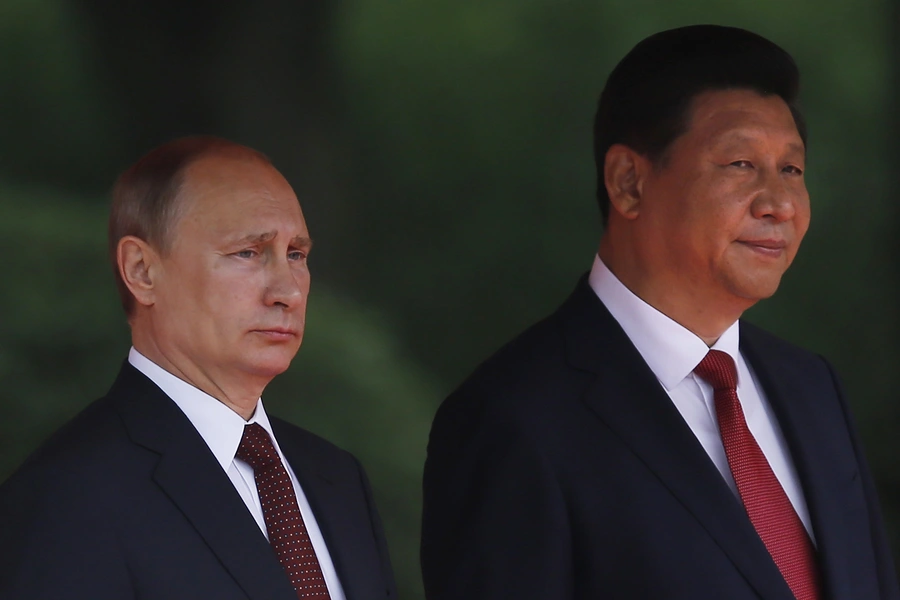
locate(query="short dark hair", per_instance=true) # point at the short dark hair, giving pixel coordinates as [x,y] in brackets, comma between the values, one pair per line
[646,101]
[146,197]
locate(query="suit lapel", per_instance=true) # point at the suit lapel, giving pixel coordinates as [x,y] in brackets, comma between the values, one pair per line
[799,404]
[191,477]
[629,399]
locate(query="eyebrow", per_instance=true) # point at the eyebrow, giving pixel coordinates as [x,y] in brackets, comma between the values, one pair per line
[299,241]
[302,241]
[739,137]
[256,238]
[798,148]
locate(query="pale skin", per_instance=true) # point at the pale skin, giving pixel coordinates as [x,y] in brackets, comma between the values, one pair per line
[223,308]
[709,231]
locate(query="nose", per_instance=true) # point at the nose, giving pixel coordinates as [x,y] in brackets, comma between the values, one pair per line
[286,283]
[777,200]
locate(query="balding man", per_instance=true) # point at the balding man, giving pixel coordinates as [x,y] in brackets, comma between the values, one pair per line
[177,484]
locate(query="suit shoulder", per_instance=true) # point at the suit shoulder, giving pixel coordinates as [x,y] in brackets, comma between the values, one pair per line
[85,462]
[526,381]
[84,439]
[530,357]
[769,354]
[308,442]
[765,342]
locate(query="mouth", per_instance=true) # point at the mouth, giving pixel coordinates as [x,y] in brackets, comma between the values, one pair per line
[277,333]
[770,248]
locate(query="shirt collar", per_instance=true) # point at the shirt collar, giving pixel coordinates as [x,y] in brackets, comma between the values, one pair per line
[669,349]
[219,426]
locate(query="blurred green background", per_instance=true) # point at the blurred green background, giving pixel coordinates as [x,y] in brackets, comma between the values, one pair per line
[442,153]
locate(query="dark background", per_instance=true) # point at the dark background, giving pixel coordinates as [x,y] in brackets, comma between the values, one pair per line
[441,151]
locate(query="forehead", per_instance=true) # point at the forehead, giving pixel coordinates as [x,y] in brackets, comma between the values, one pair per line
[234,193]
[717,116]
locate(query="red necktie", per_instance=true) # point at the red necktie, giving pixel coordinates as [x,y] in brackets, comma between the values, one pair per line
[769,508]
[287,531]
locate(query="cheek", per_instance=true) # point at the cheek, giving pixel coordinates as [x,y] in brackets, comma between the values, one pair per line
[224,294]
[803,217]
[709,235]
[183,288]
[701,203]
[302,281]
[238,301]
[727,208]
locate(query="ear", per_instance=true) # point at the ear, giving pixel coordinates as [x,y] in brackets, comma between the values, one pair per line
[624,172]
[139,267]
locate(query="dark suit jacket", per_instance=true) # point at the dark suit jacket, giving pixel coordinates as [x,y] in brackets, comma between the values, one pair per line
[561,469]
[127,501]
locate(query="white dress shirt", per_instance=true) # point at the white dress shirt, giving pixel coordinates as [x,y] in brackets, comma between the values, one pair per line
[672,352]
[222,428]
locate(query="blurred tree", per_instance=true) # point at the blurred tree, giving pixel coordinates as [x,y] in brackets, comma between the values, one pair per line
[442,155]
[260,73]
[57,126]
[883,424]
[62,333]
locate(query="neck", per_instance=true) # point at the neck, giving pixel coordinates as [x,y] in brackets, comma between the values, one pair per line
[702,315]
[241,396]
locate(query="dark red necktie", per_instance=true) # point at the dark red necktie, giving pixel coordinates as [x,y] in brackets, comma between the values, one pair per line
[287,531]
[769,508]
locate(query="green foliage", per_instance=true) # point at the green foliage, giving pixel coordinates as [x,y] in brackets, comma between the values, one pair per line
[452,185]
[61,331]
[57,122]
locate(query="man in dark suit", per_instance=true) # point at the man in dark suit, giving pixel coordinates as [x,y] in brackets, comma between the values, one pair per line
[177,484]
[642,441]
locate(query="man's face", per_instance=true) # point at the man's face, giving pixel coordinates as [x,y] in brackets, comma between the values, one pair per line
[231,292]
[722,216]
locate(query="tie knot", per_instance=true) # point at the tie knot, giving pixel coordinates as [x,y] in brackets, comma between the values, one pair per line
[717,369]
[256,448]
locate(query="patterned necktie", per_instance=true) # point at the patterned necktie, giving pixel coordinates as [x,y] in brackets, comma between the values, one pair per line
[769,508]
[287,531]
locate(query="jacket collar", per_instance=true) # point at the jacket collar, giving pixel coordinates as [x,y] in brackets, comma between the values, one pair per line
[192,478]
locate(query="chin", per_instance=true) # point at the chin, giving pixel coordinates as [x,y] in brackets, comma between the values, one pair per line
[757,290]
[752,278]
[270,364]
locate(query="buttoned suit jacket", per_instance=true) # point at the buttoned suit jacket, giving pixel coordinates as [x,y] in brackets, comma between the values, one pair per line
[561,469]
[127,501]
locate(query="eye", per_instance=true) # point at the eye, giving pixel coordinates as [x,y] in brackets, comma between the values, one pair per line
[793,170]
[743,164]
[245,253]
[296,255]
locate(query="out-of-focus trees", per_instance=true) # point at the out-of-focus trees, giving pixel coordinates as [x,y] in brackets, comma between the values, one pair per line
[442,154]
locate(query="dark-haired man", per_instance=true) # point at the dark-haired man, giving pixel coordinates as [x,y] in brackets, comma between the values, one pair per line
[642,441]
[177,485]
